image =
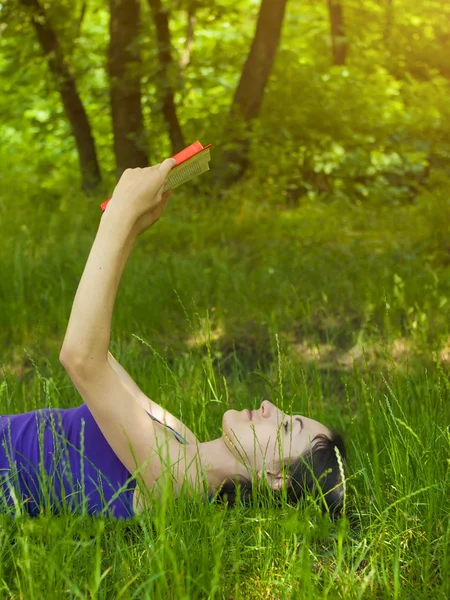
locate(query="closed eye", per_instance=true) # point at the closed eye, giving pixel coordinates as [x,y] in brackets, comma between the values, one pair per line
[286,424]
[301,423]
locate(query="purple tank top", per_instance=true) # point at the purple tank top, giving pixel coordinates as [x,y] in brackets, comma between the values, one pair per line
[59,459]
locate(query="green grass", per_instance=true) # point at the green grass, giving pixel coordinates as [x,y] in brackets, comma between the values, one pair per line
[339,312]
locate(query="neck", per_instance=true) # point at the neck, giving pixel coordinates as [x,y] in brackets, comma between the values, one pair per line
[220,460]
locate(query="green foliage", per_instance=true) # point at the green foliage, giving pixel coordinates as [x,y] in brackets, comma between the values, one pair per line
[375,130]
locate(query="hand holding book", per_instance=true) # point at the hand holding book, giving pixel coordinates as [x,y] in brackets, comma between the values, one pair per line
[190,162]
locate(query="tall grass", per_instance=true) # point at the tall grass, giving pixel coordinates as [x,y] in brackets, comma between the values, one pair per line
[223,307]
[393,540]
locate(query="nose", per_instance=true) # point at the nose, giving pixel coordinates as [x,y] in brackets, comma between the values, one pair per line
[267,409]
[270,411]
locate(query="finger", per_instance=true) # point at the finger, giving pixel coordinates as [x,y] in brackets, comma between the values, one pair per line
[165,166]
[163,200]
[163,197]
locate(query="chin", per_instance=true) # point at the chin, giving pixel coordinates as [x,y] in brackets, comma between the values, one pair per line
[227,418]
[226,415]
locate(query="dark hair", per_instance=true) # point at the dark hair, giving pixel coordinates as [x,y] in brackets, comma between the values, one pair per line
[317,473]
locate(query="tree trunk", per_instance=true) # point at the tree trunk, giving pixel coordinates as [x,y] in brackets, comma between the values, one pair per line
[249,94]
[165,74]
[338,39]
[66,85]
[124,67]
[191,21]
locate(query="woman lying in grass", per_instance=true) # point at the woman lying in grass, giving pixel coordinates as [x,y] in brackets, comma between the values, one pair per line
[117,451]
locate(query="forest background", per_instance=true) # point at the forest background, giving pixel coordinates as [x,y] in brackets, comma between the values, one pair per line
[310,266]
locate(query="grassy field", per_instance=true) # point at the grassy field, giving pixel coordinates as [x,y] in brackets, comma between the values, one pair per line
[337,311]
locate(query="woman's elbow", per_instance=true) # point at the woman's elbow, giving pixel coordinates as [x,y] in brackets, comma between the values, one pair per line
[69,359]
[76,363]
[83,360]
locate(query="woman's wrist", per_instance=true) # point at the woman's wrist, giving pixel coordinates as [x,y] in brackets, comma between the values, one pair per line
[118,225]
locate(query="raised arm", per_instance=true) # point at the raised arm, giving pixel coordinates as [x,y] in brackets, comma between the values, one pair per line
[136,204]
[155,409]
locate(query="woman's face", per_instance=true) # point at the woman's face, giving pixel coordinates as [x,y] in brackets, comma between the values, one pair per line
[268,436]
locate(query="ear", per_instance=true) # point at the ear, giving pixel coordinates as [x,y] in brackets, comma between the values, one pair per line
[274,478]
